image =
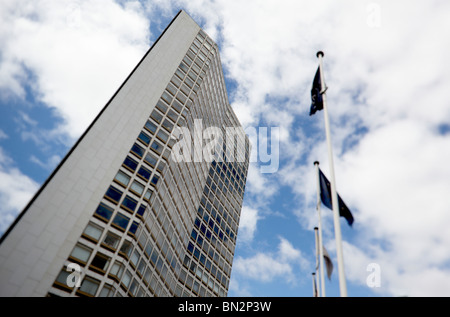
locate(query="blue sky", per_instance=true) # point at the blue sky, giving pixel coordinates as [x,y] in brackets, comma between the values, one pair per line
[386,68]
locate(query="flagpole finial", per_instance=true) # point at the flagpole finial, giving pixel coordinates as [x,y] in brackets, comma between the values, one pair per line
[320,53]
[316,163]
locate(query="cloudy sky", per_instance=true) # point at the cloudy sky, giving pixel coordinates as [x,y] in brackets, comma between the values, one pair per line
[388,81]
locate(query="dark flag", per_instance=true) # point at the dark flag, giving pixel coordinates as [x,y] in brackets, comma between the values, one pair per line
[325,196]
[315,291]
[328,263]
[316,96]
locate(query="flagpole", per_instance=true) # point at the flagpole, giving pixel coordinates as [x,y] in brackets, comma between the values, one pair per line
[321,274]
[334,197]
[316,235]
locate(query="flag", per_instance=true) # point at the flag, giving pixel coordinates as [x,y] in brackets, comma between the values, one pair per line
[325,196]
[316,96]
[328,263]
[315,291]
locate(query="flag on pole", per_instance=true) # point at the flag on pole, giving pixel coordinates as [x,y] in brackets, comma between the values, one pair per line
[316,95]
[326,256]
[325,196]
[315,291]
[328,262]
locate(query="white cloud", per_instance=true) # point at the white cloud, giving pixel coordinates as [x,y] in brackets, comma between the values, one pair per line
[3,135]
[265,267]
[76,53]
[259,184]
[247,223]
[398,186]
[49,165]
[16,189]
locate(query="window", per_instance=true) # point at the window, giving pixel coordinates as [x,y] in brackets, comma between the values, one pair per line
[141,210]
[190,247]
[184,67]
[142,239]
[176,105]
[156,116]
[129,204]
[185,89]
[167,125]
[187,60]
[194,48]
[137,188]
[133,228]
[120,221]
[133,287]
[89,286]
[103,212]
[170,88]
[155,180]
[147,275]
[197,253]
[138,150]
[80,254]
[126,248]
[172,115]
[141,266]
[144,173]
[100,263]
[162,135]
[157,147]
[135,257]
[179,73]
[182,122]
[113,194]
[61,280]
[92,232]
[130,164]
[122,178]
[161,166]
[144,138]
[151,159]
[107,291]
[116,270]
[126,279]
[176,81]
[166,97]
[148,249]
[196,68]
[192,75]
[148,194]
[189,82]
[161,106]
[111,241]
[166,154]
[151,126]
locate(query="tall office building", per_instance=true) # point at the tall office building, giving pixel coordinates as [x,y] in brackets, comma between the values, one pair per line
[147,202]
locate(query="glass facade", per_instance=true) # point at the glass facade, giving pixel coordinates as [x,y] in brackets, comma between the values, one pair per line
[168,227]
